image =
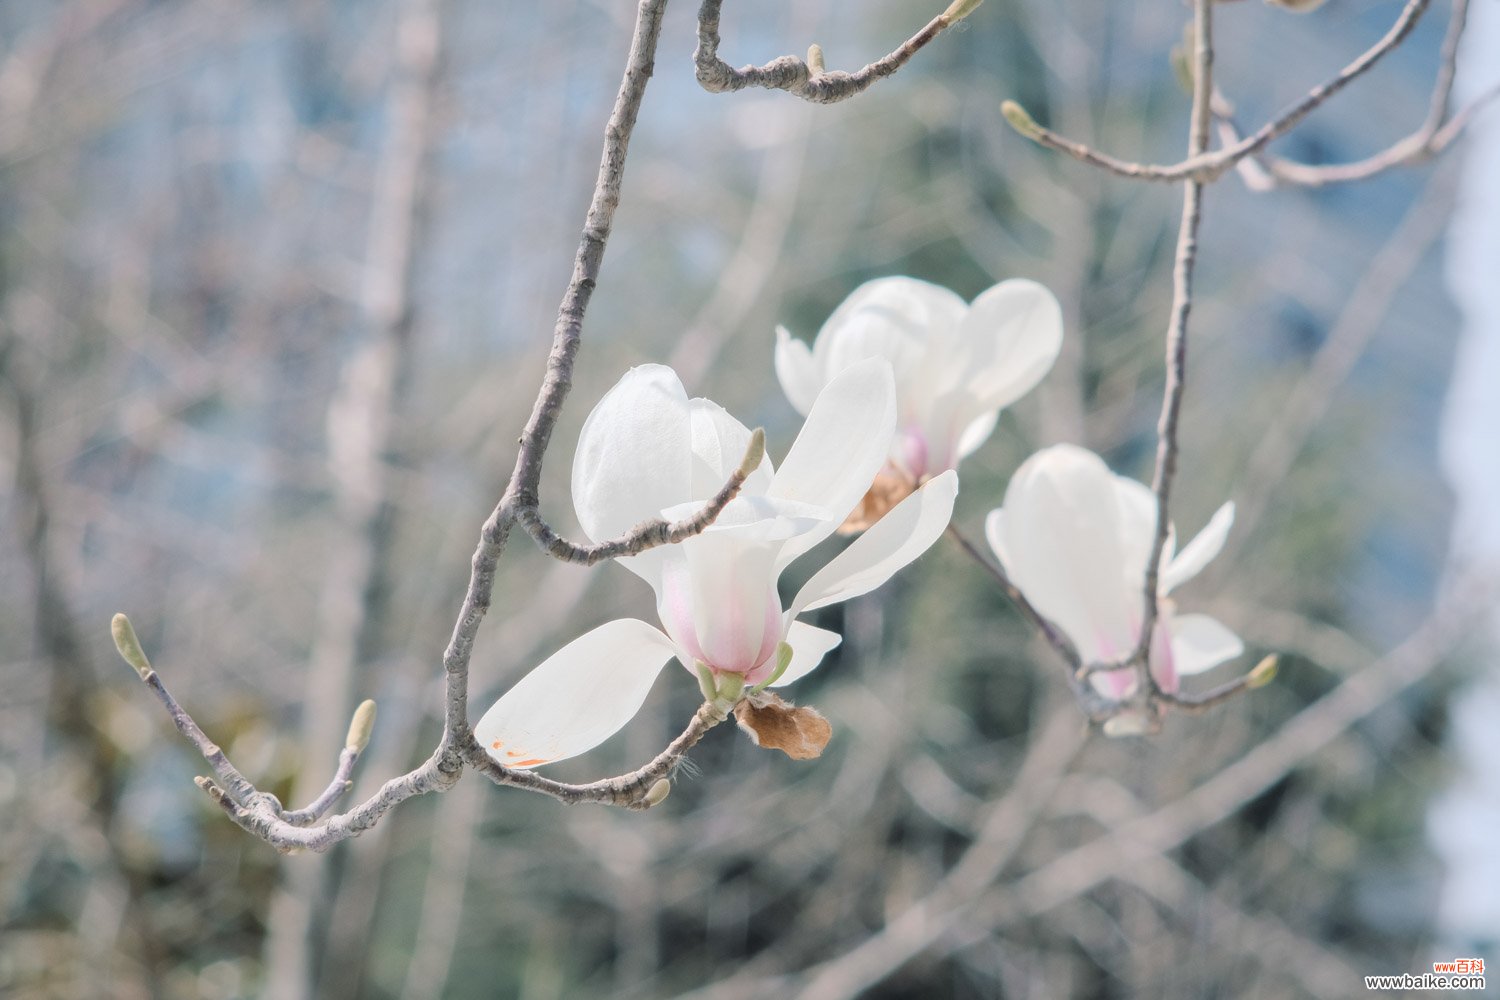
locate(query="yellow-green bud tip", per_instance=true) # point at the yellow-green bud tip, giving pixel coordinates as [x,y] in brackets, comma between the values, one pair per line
[360,727]
[1263,674]
[1019,119]
[815,59]
[960,9]
[657,793]
[128,645]
[755,452]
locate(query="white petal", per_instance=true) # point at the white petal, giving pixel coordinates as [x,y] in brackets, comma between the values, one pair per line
[634,453]
[1062,545]
[719,443]
[975,434]
[904,533]
[994,533]
[917,306]
[842,446]
[1008,340]
[809,645]
[1200,551]
[718,597]
[1200,643]
[797,371]
[579,697]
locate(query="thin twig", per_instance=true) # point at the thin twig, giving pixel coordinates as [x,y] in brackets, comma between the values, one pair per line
[633,790]
[653,533]
[341,783]
[258,812]
[1177,336]
[798,78]
[1203,166]
[1435,133]
[1054,637]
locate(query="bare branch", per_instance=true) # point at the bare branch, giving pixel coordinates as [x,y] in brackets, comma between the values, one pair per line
[1435,134]
[1202,166]
[260,813]
[813,82]
[354,745]
[640,789]
[1177,334]
[652,533]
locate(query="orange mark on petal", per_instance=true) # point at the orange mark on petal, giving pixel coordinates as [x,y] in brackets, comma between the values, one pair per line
[497,744]
[533,762]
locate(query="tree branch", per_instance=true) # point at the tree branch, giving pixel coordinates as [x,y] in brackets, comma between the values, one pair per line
[1177,336]
[1435,134]
[260,813]
[808,79]
[1201,166]
[640,789]
[652,533]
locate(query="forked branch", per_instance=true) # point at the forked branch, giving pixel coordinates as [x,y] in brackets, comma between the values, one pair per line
[809,79]
[1202,166]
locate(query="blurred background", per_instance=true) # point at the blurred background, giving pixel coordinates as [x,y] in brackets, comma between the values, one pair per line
[276,285]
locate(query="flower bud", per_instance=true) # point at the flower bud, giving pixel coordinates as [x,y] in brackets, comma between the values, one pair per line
[657,793]
[360,727]
[960,9]
[129,646]
[1263,674]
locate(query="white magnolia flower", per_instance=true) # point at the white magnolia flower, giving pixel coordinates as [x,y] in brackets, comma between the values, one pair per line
[649,451]
[957,365]
[1075,538]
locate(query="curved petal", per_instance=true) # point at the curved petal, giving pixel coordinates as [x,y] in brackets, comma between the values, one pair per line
[809,645]
[975,434]
[578,697]
[917,306]
[798,373]
[1200,551]
[1062,546]
[842,446]
[994,533]
[904,533]
[718,444]
[1008,340]
[634,453]
[1200,643]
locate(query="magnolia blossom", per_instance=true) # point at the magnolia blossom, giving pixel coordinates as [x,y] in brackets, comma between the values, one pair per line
[648,451]
[1075,538]
[956,365]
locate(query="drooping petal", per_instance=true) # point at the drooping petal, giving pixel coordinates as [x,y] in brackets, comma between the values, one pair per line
[799,374]
[577,698]
[843,444]
[904,533]
[1061,546]
[719,443]
[634,453]
[809,645]
[1200,551]
[1200,642]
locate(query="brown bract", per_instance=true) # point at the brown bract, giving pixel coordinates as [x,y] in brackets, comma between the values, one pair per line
[800,733]
[888,489]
